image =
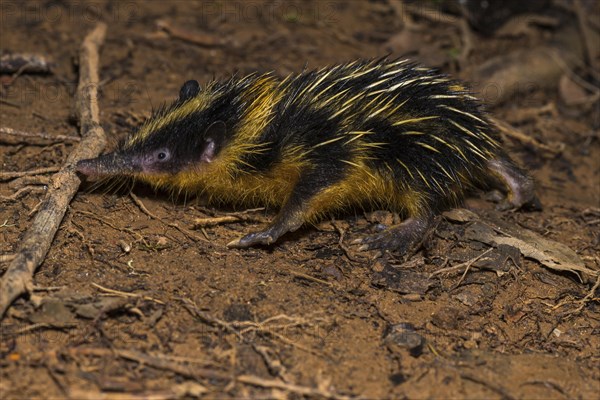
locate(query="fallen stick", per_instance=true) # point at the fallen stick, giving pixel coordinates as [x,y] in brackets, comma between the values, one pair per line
[18,278]
[6,176]
[510,131]
[158,361]
[587,36]
[14,137]
[30,63]
[291,388]
[197,38]
[242,216]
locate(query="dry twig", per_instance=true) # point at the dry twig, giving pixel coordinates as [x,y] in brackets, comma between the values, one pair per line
[197,38]
[467,264]
[25,181]
[490,385]
[311,278]
[37,240]
[242,216]
[467,42]
[586,33]
[433,15]
[289,387]
[4,258]
[582,302]
[20,193]
[140,238]
[158,361]
[184,231]
[342,232]
[127,294]
[12,136]
[6,176]
[232,327]
[510,131]
[19,63]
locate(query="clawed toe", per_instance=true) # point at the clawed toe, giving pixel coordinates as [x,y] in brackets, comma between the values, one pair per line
[402,239]
[252,239]
[505,205]
[385,241]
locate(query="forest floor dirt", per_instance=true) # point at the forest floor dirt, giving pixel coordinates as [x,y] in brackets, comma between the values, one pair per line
[126,304]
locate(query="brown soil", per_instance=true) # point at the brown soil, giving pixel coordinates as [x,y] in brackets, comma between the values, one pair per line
[313,315]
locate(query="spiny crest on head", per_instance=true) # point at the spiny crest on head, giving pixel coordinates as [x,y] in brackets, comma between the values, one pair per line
[191,98]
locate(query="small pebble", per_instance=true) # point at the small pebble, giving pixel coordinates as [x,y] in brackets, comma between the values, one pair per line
[404,336]
[126,247]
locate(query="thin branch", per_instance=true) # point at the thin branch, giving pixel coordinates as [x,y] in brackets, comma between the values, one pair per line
[7,257]
[586,33]
[466,264]
[158,361]
[501,390]
[32,250]
[20,193]
[127,294]
[6,176]
[23,62]
[289,387]
[514,133]
[184,231]
[302,275]
[197,38]
[433,15]
[13,136]
[242,216]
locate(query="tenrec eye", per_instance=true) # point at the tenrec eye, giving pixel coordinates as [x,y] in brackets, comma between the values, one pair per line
[162,156]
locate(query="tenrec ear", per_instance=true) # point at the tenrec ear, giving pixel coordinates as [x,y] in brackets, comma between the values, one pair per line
[216,131]
[213,138]
[189,89]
